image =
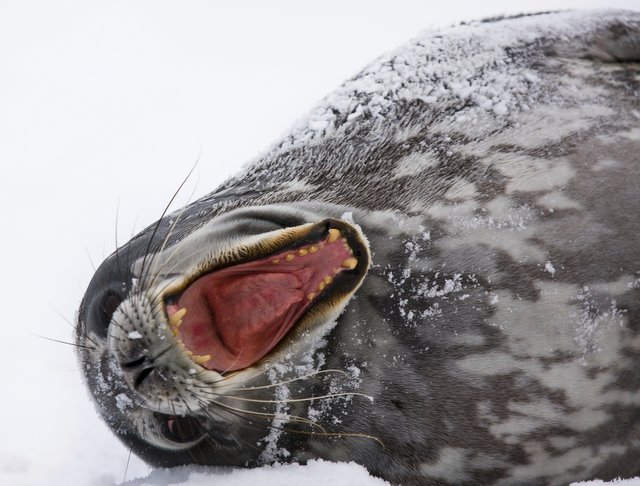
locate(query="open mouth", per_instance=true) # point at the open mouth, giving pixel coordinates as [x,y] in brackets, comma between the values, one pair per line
[230,318]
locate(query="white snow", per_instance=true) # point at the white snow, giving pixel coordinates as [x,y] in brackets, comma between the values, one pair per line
[548,267]
[592,319]
[348,217]
[105,107]
[616,482]
[315,473]
[408,73]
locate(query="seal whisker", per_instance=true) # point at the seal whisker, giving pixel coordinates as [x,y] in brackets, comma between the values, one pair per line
[312,424]
[126,468]
[291,400]
[157,225]
[191,413]
[115,237]
[164,269]
[79,330]
[341,435]
[120,265]
[272,385]
[292,418]
[270,416]
[93,266]
[153,268]
[210,414]
[75,345]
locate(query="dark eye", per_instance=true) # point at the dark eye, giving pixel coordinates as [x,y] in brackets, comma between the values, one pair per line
[103,312]
[181,429]
[110,303]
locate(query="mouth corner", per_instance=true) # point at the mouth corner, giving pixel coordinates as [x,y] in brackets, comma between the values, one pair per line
[351,235]
[231,317]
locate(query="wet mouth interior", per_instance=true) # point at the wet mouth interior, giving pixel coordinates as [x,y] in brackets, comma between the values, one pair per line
[231,318]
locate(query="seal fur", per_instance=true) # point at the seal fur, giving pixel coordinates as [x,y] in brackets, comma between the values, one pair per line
[487,179]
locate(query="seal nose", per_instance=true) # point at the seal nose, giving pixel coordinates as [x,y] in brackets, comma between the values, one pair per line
[137,381]
[134,363]
[144,364]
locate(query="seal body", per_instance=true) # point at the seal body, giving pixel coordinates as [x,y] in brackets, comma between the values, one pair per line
[469,308]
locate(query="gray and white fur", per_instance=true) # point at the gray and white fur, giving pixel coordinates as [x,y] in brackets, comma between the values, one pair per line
[494,170]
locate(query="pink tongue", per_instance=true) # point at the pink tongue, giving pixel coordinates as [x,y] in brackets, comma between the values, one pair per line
[237,319]
[238,314]
[246,303]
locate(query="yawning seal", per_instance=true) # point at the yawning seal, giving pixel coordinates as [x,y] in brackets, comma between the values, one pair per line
[436,275]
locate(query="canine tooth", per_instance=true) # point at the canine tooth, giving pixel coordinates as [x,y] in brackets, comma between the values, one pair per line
[202,359]
[311,296]
[327,280]
[313,249]
[349,263]
[289,257]
[303,251]
[334,234]
[176,319]
[276,260]
[321,286]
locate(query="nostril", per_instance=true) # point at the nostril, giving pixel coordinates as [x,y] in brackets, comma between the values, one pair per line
[135,362]
[142,376]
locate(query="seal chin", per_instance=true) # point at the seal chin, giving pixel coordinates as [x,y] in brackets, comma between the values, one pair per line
[228,318]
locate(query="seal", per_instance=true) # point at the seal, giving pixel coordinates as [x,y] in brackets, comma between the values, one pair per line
[435,275]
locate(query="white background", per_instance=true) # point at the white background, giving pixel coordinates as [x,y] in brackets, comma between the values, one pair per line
[104,108]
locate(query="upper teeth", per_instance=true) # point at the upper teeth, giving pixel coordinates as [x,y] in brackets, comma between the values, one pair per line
[334,234]
[175,319]
[350,263]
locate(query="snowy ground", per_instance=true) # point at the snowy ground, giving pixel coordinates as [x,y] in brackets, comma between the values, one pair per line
[315,473]
[105,108]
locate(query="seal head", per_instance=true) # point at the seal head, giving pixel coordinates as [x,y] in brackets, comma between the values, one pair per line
[175,330]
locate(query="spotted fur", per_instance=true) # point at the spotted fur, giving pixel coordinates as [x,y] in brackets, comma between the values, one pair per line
[494,170]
